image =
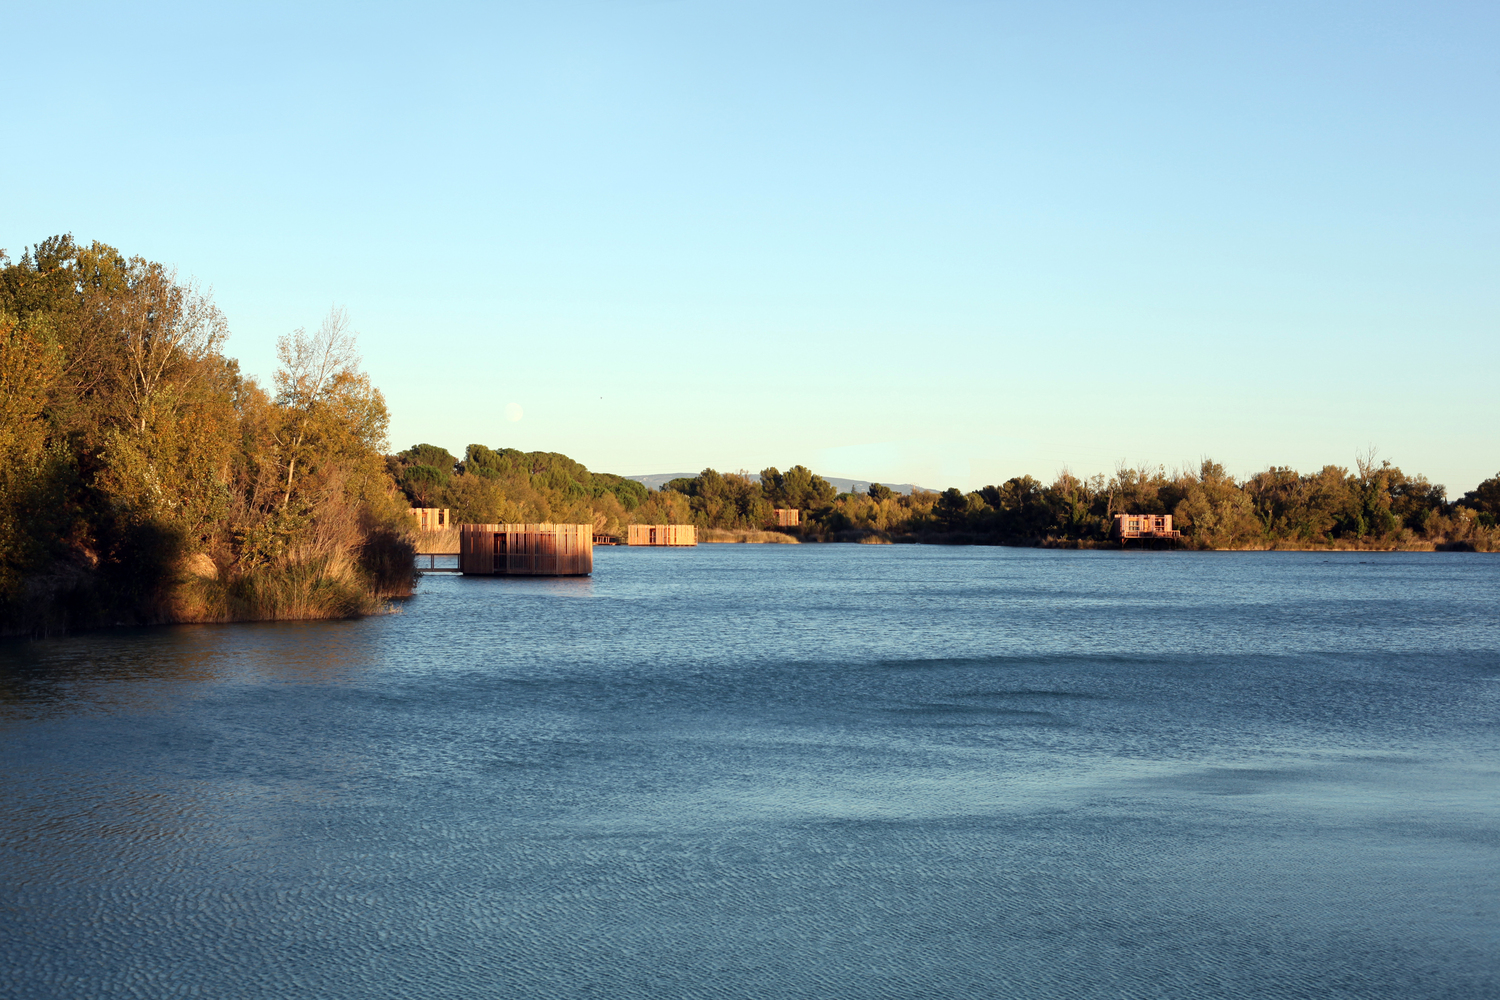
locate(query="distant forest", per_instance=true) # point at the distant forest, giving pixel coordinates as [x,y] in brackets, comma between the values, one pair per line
[508,486]
[143,478]
[1374,506]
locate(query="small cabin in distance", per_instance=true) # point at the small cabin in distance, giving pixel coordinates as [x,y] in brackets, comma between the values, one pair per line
[787,517]
[1144,526]
[526,549]
[661,534]
[432,518]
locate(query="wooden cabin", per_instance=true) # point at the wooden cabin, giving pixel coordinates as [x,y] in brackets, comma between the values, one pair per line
[1144,526]
[526,549]
[787,517]
[432,518]
[661,534]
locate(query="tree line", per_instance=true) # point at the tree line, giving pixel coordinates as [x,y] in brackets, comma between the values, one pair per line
[144,478]
[503,485]
[1374,505]
[507,486]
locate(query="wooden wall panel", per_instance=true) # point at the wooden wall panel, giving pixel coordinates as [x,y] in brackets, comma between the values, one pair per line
[661,534]
[432,518]
[527,549]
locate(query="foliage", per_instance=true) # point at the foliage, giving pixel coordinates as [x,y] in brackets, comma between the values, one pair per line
[508,486]
[1377,506]
[1484,500]
[143,478]
[505,485]
[798,488]
[1216,513]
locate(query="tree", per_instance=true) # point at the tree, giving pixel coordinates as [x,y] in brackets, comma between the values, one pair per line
[952,509]
[428,454]
[167,331]
[802,488]
[773,487]
[1020,508]
[30,369]
[319,378]
[131,448]
[1071,503]
[879,493]
[1484,498]
[1216,512]
[421,484]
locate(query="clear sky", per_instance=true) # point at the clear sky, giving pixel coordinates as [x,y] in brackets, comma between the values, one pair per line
[946,243]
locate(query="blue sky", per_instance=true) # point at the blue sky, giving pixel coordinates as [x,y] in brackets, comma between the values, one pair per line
[946,243]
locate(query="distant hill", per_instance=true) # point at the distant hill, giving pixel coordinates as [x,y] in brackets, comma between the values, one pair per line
[655,482]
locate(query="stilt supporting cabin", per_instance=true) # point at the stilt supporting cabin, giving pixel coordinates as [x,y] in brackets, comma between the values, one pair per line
[787,517]
[526,549]
[661,534]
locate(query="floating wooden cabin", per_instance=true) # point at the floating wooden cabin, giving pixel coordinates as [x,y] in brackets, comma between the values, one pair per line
[526,549]
[787,517]
[432,518]
[661,534]
[1144,526]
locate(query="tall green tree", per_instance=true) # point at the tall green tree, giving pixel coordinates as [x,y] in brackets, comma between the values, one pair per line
[1484,499]
[143,478]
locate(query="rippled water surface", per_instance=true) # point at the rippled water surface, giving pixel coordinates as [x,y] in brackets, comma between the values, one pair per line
[779,771]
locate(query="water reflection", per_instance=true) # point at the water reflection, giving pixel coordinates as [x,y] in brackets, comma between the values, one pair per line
[129,669]
[497,588]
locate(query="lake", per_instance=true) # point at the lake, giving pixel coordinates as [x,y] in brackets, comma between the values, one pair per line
[779,771]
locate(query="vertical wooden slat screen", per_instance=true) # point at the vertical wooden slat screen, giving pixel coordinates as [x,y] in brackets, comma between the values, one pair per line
[432,518]
[661,534]
[527,549]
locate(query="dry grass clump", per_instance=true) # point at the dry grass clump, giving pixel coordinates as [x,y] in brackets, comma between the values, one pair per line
[349,582]
[437,541]
[724,535]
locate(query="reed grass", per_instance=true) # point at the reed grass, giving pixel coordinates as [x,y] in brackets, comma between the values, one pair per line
[349,582]
[437,541]
[727,536]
